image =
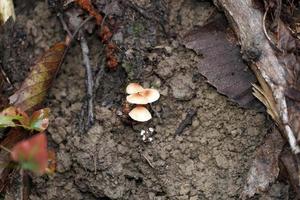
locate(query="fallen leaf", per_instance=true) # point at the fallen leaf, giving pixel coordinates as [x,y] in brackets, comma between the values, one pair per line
[265,167]
[15,117]
[32,153]
[87,5]
[12,117]
[222,62]
[31,93]
[15,135]
[34,88]
[51,162]
[40,120]
[289,169]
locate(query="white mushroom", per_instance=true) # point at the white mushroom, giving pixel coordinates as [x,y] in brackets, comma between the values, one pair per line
[140,114]
[133,88]
[137,99]
[150,94]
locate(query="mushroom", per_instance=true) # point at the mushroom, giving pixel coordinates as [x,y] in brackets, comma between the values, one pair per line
[140,114]
[133,88]
[140,96]
[137,98]
[150,94]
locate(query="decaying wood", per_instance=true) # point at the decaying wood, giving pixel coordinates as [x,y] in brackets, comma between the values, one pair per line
[247,22]
[265,167]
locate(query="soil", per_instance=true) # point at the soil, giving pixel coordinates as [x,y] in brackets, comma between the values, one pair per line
[209,160]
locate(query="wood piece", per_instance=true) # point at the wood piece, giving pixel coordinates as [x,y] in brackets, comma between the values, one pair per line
[265,167]
[247,23]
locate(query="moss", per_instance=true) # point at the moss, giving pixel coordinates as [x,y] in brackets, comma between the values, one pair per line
[129,68]
[137,28]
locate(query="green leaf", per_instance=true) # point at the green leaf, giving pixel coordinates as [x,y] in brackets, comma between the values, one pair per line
[29,165]
[9,121]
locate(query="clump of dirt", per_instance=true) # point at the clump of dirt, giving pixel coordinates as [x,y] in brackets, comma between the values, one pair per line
[209,160]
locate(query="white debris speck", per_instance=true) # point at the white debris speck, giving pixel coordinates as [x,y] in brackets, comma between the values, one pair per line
[119,113]
[151,129]
[143,132]
[150,139]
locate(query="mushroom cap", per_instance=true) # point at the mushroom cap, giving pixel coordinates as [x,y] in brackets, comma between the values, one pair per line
[137,98]
[150,94]
[133,88]
[140,114]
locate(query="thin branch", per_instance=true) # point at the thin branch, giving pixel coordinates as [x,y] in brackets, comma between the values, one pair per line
[5,149]
[64,24]
[89,80]
[5,77]
[70,38]
[99,75]
[266,32]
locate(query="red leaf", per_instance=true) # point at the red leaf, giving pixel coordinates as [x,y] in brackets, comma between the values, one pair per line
[32,153]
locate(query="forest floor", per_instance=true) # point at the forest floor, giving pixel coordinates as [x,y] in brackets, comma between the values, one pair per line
[209,160]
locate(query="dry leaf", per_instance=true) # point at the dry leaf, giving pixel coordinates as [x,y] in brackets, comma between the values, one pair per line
[34,88]
[265,167]
[51,162]
[222,63]
[289,169]
[86,5]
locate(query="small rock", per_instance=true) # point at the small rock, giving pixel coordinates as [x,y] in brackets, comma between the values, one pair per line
[222,161]
[166,67]
[194,198]
[184,189]
[118,37]
[182,87]
[63,161]
[58,135]
[113,8]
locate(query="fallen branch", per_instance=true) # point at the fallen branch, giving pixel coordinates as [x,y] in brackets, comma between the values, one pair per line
[276,66]
[257,50]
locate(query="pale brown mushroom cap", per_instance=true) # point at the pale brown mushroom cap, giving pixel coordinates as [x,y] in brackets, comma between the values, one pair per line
[137,99]
[133,88]
[140,114]
[150,94]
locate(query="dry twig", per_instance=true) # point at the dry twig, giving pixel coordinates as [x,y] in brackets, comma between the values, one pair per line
[186,122]
[89,81]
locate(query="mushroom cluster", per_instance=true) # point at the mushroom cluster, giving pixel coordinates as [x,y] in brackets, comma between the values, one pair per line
[140,96]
